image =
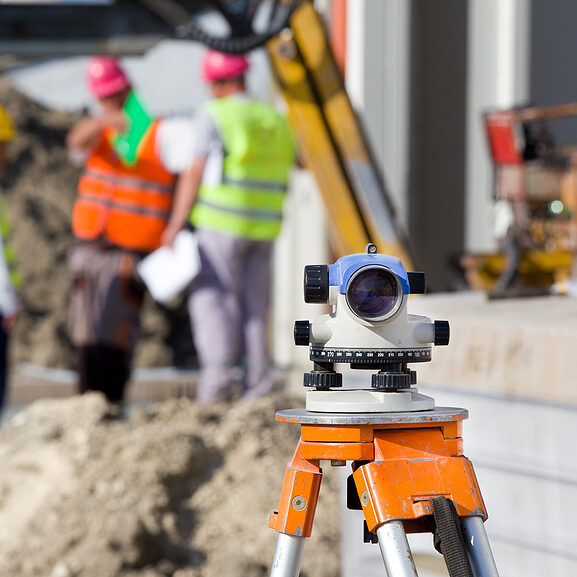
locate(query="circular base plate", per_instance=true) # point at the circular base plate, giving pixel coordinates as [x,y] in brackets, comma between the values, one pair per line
[436,415]
[368,401]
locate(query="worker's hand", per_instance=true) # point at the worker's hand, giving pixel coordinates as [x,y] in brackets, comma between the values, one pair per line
[169,235]
[114,119]
[87,132]
[8,322]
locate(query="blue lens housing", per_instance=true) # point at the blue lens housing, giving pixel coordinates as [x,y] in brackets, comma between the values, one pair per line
[341,271]
[374,293]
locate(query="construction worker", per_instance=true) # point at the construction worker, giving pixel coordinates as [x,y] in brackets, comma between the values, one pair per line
[9,277]
[242,157]
[125,196]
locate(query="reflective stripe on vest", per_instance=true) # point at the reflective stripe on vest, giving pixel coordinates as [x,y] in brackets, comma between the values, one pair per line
[9,255]
[128,207]
[269,186]
[125,206]
[130,182]
[259,154]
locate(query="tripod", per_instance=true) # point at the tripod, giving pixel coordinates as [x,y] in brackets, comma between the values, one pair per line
[409,475]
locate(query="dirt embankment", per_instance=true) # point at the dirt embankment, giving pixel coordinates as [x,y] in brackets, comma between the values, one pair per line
[177,490]
[39,185]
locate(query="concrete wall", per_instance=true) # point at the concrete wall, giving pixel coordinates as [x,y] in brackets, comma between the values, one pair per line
[519,347]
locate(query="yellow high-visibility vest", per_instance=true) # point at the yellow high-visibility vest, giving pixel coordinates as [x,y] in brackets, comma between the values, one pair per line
[258,155]
[9,257]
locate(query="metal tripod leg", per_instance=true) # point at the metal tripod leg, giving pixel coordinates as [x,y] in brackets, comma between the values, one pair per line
[395,550]
[399,559]
[478,547]
[295,515]
[287,556]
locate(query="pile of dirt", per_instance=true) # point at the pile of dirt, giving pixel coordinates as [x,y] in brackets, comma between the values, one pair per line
[177,490]
[39,185]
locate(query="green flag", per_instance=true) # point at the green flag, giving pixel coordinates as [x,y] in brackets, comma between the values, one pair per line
[138,121]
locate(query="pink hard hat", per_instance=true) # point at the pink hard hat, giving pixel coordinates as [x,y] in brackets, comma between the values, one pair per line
[218,65]
[106,77]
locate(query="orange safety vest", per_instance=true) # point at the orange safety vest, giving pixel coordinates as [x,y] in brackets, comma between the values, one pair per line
[125,206]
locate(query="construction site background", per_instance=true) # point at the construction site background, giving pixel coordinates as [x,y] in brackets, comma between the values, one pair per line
[510,362]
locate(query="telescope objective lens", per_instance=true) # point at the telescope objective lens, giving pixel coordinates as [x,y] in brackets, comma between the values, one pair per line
[373,293]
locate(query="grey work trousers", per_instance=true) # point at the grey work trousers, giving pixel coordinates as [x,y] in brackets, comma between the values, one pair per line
[105,306]
[228,308]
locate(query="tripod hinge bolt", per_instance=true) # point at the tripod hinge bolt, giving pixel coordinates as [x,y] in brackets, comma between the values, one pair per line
[365,499]
[299,503]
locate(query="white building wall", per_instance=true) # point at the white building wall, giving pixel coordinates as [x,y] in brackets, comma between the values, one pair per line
[396,103]
[303,240]
[377,80]
[498,71]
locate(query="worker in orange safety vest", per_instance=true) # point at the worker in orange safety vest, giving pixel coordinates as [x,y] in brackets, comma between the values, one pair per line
[132,165]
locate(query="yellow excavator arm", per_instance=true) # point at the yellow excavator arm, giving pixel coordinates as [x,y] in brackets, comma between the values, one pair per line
[331,140]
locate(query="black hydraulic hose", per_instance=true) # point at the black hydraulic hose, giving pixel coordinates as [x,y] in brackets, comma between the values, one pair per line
[241,44]
[448,538]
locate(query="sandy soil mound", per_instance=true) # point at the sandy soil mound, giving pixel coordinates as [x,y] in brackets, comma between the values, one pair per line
[39,186]
[177,490]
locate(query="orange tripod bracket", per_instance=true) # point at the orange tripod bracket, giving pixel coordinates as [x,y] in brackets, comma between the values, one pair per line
[400,462]
[410,467]
[299,496]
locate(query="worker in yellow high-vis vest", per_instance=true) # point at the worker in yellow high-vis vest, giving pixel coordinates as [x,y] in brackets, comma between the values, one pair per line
[242,159]
[9,277]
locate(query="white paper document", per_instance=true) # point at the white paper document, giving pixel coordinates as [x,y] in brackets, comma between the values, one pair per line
[167,271]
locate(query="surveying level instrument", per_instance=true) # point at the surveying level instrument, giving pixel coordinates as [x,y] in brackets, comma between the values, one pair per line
[409,474]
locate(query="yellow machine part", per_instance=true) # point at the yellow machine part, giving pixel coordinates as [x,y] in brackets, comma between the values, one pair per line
[536,268]
[331,140]
[6,127]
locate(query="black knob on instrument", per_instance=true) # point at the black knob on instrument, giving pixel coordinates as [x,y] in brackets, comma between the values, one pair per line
[301,333]
[442,332]
[316,283]
[323,380]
